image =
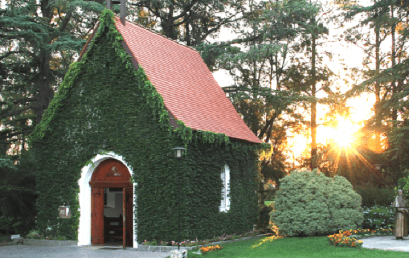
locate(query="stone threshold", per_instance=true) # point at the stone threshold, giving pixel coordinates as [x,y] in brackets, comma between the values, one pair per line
[159,248]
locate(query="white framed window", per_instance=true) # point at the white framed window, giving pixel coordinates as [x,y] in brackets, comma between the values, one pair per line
[225,177]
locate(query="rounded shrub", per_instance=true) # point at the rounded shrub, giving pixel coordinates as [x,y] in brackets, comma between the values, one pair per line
[309,203]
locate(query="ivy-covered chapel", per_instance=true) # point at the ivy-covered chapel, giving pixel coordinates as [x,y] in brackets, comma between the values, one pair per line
[105,145]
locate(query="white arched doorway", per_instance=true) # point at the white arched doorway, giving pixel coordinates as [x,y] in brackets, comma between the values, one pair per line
[84,197]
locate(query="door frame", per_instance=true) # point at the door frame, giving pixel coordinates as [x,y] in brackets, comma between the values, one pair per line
[110,173]
[85,196]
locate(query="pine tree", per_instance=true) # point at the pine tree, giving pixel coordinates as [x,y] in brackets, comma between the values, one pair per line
[191,22]
[39,41]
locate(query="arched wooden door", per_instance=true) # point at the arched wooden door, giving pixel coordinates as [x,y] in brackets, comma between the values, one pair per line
[111,174]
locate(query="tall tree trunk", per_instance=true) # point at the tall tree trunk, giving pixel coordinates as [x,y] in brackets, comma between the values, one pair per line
[187,26]
[377,86]
[394,115]
[45,92]
[395,88]
[313,107]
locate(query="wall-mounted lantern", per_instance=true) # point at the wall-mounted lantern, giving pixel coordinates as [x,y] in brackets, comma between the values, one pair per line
[179,151]
[64,212]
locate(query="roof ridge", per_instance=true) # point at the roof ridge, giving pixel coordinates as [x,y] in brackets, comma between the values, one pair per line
[155,32]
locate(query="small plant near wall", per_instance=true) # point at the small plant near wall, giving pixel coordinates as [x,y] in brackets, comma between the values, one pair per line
[34,234]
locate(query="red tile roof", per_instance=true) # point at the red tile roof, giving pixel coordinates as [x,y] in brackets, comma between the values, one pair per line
[185,83]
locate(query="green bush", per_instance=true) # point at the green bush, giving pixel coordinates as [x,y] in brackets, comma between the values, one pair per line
[17,195]
[310,203]
[372,195]
[377,217]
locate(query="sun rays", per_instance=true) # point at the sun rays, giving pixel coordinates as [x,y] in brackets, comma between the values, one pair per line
[343,143]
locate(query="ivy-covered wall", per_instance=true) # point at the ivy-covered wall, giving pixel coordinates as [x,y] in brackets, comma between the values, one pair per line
[201,195]
[105,104]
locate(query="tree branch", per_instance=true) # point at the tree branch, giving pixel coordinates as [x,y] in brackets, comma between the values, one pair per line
[18,101]
[15,112]
[9,53]
[65,21]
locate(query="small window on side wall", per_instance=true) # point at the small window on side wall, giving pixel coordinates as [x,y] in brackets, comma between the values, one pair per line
[225,177]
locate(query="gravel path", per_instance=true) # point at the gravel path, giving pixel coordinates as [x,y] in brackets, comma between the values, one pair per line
[386,243]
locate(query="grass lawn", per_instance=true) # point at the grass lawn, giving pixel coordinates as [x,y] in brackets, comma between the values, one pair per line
[294,247]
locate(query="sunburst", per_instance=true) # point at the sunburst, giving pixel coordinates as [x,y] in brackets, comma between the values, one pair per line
[344,133]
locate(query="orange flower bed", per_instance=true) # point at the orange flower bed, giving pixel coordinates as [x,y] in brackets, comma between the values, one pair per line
[210,248]
[343,239]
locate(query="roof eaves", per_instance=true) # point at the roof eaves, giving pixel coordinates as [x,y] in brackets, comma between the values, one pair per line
[84,49]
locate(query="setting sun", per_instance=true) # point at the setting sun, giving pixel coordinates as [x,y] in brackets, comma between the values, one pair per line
[343,134]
